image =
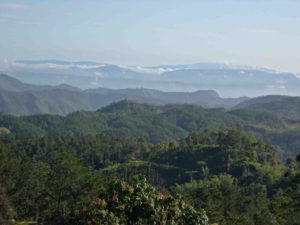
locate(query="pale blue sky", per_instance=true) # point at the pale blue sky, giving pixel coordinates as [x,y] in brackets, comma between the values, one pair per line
[140,32]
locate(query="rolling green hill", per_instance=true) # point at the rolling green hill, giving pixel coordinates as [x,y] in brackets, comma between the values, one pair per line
[288,107]
[159,123]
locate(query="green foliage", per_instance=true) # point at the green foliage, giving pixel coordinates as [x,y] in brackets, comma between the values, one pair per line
[96,151]
[234,176]
[43,191]
[288,107]
[160,123]
[138,202]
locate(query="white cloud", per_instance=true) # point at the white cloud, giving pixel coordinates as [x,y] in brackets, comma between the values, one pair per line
[7,5]
[147,70]
[100,75]
[5,64]
[56,66]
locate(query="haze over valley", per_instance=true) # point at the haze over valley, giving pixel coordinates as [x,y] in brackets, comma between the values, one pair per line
[137,112]
[226,79]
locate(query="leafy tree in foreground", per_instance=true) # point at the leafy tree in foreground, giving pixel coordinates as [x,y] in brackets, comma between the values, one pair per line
[137,203]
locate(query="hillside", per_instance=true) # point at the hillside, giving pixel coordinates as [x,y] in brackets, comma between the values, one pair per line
[19,98]
[208,177]
[288,107]
[158,123]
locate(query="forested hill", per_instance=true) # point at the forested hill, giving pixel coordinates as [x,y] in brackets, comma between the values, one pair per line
[159,123]
[288,107]
[19,98]
[59,169]
[213,177]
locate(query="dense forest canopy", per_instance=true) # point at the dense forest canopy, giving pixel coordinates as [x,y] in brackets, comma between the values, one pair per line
[85,168]
[171,122]
[225,175]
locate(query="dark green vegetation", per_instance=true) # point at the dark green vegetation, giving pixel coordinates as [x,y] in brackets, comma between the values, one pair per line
[289,107]
[235,177]
[137,203]
[82,168]
[271,120]
[18,98]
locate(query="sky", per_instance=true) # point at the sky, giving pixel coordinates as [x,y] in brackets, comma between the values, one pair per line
[153,32]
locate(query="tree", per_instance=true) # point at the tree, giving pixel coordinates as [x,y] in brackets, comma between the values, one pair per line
[137,203]
[69,182]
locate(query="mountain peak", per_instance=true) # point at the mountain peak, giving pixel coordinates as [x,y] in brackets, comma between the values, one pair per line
[68,87]
[10,83]
[126,105]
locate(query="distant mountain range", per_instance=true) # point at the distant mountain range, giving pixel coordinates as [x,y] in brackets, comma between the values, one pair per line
[228,80]
[165,114]
[19,98]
